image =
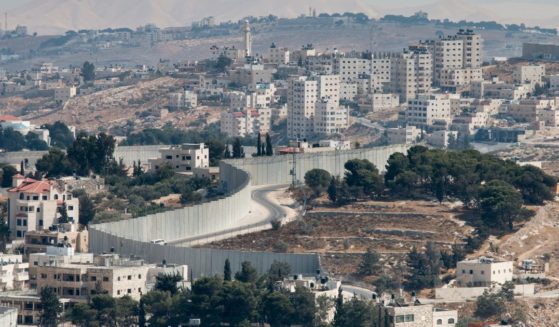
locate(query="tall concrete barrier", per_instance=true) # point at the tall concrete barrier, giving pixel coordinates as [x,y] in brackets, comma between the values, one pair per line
[134,236]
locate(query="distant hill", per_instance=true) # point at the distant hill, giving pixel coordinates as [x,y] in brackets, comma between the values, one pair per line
[57,16]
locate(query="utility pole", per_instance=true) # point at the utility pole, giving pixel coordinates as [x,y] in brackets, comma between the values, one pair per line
[294,170]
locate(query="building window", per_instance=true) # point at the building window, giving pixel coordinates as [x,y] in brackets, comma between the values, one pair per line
[106,279]
[129,277]
[439,321]
[56,196]
[70,207]
[129,291]
[40,222]
[45,197]
[471,272]
[451,320]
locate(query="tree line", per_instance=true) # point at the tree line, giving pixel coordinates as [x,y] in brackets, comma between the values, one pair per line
[495,188]
[233,300]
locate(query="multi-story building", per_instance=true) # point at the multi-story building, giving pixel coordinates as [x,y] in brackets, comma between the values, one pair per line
[384,101]
[351,69]
[63,94]
[457,59]
[527,110]
[394,314]
[230,52]
[429,109]
[24,127]
[303,95]
[529,74]
[496,89]
[183,100]
[411,73]
[278,56]
[442,138]
[381,67]
[250,75]
[55,255]
[483,272]
[28,306]
[468,122]
[38,241]
[182,158]
[109,273]
[405,135]
[14,273]
[35,205]
[248,122]
[330,117]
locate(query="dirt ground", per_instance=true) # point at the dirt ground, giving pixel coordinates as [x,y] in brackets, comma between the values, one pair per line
[341,236]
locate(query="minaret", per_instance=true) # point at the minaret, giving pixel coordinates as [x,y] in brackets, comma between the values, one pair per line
[248,39]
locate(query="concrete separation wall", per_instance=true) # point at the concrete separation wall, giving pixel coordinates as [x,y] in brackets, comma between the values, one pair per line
[134,236]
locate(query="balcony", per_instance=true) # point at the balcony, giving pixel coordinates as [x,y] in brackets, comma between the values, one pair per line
[21,277]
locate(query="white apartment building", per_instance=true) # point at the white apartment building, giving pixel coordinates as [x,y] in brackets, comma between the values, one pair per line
[496,89]
[381,67]
[429,109]
[527,110]
[302,98]
[230,52]
[278,56]
[483,272]
[182,158]
[14,273]
[63,94]
[406,135]
[415,315]
[323,64]
[330,117]
[34,205]
[471,121]
[411,73]
[529,74]
[55,255]
[247,122]
[183,100]
[384,101]
[351,69]
[251,75]
[553,82]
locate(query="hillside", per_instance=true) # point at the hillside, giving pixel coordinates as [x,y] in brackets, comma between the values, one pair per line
[57,16]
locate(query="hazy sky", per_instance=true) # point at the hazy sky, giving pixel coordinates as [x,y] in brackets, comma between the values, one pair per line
[9,4]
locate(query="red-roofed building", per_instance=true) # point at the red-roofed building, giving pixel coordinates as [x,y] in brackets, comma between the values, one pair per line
[34,205]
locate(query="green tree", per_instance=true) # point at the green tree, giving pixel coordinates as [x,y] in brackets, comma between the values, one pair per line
[92,153]
[247,274]
[55,164]
[363,174]
[318,180]
[87,209]
[88,71]
[51,308]
[323,306]
[370,263]
[168,283]
[227,271]
[157,306]
[126,311]
[63,212]
[258,145]
[490,304]
[238,302]
[216,149]
[305,307]
[500,204]
[222,63]
[81,314]
[60,135]
[385,283]
[277,309]
[397,164]
[269,147]
[355,313]
[206,298]
[105,307]
[278,271]
[8,172]
[238,150]
[33,143]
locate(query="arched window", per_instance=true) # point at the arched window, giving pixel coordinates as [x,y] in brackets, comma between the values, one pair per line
[56,196]
[451,320]
[439,321]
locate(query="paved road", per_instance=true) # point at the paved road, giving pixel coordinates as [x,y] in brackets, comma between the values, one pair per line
[267,212]
[360,292]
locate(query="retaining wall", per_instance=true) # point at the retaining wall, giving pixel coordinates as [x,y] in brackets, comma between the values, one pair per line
[132,237]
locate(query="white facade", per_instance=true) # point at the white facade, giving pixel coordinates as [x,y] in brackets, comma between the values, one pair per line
[183,100]
[248,122]
[483,272]
[278,56]
[427,110]
[34,205]
[14,273]
[63,94]
[532,74]
[384,101]
[330,117]
[407,135]
[441,139]
[182,158]
[411,73]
